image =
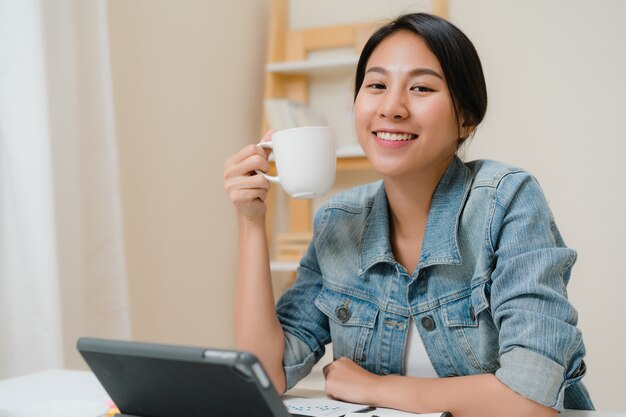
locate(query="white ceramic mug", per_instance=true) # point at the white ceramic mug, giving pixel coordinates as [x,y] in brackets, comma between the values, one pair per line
[305,160]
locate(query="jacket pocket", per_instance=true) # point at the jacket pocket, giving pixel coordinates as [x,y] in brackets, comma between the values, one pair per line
[351,322]
[471,329]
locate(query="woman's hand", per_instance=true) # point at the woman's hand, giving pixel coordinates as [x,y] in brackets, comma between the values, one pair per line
[246,189]
[464,396]
[347,381]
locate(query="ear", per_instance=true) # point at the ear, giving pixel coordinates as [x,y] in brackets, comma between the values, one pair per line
[467,128]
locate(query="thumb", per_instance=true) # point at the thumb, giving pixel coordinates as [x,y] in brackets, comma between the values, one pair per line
[267,137]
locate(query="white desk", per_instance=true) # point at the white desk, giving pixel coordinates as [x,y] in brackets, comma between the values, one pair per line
[62,387]
[60,390]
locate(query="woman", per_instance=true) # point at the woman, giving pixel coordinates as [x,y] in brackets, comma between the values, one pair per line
[441,287]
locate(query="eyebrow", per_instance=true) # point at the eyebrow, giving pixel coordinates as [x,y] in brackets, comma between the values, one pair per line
[413,73]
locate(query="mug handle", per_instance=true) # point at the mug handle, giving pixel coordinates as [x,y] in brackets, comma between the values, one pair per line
[270,146]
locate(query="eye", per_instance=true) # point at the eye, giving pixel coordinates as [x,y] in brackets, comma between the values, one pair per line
[422,89]
[376,86]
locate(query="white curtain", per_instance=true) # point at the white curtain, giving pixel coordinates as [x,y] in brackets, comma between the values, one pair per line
[61,244]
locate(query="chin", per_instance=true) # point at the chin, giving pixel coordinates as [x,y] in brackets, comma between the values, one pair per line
[386,168]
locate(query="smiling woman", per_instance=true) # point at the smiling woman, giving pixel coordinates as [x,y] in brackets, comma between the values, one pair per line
[457,267]
[403,107]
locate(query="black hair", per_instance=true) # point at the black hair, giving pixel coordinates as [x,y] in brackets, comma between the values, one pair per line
[456,54]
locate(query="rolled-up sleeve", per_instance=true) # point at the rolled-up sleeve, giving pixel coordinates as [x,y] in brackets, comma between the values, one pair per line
[304,325]
[541,348]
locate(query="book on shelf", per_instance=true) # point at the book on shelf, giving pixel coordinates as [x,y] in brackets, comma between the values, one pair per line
[285,114]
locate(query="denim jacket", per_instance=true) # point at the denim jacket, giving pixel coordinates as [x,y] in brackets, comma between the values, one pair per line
[488,294]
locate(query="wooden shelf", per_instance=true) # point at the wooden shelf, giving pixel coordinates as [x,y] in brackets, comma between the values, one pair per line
[357,163]
[350,151]
[295,60]
[282,266]
[311,67]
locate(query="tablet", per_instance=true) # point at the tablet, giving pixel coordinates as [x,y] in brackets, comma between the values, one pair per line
[153,380]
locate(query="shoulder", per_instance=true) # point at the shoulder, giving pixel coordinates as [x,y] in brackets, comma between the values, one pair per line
[489,173]
[512,204]
[504,188]
[506,180]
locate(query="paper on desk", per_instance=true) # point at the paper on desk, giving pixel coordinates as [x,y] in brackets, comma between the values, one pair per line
[387,412]
[321,407]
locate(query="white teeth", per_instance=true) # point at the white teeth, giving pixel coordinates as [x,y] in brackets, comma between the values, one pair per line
[395,136]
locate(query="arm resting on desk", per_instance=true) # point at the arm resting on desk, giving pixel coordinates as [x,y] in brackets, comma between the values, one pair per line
[464,396]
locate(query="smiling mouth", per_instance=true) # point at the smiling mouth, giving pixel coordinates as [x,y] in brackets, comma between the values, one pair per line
[395,137]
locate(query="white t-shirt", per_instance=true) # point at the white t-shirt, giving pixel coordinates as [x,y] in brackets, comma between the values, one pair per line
[416,360]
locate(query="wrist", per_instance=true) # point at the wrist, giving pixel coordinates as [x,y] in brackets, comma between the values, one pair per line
[246,223]
[377,391]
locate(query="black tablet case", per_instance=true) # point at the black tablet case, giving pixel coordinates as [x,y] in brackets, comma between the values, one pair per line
[150,380]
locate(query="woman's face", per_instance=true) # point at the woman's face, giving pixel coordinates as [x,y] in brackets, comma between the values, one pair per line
[404,116]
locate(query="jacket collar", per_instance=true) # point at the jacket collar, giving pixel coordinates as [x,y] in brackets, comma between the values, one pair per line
[440,244]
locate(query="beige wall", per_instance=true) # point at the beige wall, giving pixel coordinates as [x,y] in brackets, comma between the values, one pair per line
[188,83]
[555,73]
[188,79]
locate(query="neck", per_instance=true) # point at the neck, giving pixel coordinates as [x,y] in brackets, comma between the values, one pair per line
[410,198]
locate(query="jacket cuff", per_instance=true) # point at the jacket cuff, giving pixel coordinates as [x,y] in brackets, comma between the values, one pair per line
[298,360]
[534,376]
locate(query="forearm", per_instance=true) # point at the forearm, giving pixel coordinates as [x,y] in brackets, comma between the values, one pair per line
[257,328]
[466,396]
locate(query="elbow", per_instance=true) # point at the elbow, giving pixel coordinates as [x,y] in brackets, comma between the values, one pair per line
[511,403]
[279,380]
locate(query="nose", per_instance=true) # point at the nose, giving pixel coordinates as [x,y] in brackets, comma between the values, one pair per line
[393,106]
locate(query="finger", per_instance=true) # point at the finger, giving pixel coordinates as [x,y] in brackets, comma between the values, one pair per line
[254,182]
[247,167]
[326,369]
[250,181]
[248,196]
[267,137]
[243,154]
[330,396]
[248,150]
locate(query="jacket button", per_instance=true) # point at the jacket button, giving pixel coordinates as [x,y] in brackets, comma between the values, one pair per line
[428,323]
[343,314]
[472,313]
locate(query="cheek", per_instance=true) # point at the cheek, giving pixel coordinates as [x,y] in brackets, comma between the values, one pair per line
[364,112]
[439,114]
